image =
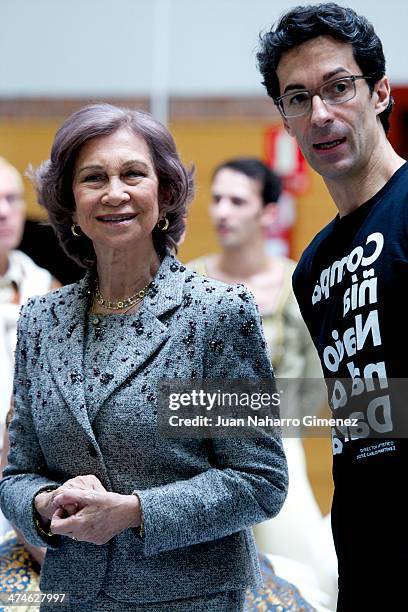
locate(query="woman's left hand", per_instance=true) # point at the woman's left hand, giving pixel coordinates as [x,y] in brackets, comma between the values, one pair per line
[87,481]
[100,515]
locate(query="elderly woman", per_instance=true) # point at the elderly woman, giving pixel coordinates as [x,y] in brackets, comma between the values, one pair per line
[133,520]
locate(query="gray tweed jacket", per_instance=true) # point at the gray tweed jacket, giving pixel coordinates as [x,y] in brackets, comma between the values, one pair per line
[199,497]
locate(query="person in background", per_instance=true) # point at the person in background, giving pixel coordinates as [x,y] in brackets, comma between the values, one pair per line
[324,67]
[244,201]
[20,278]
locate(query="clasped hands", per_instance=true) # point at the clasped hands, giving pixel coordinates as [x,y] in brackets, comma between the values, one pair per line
[84,510]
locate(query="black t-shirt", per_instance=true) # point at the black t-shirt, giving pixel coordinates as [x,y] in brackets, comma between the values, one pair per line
[351,285]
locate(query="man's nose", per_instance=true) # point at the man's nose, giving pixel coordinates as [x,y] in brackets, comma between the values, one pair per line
[223,207]
[321,113]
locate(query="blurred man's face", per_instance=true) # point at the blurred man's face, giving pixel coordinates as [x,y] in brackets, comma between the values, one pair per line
[12,211]
[338,140]
[236,208]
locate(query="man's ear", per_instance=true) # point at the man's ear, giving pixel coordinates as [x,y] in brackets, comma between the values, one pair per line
[269,214]
[286,126]
[382,93]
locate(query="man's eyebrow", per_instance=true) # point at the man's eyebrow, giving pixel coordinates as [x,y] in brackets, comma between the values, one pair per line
[326,77]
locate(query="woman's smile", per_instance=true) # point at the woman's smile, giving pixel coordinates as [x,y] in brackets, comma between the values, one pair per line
[117,219]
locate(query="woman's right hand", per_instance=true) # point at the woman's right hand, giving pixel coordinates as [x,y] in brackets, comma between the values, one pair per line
[44,505]
[44,500]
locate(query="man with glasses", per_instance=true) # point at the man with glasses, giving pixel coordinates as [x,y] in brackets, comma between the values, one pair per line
[324,67]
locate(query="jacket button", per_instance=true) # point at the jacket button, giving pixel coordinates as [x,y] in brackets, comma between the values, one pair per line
[92,450]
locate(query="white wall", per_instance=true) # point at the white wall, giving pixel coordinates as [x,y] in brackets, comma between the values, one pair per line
[111,47]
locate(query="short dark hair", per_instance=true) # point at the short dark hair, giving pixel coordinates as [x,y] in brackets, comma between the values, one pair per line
[53,179]
[271,184]
[304,23]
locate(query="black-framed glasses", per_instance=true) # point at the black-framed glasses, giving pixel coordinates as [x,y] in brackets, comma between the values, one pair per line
[336,91]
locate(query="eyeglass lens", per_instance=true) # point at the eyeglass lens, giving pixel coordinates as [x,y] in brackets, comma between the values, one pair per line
[333,92]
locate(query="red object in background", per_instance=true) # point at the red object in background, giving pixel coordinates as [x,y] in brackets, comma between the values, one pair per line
[398,134]
[283,156]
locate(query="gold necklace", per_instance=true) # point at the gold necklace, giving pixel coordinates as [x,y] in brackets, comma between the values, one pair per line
[121,304]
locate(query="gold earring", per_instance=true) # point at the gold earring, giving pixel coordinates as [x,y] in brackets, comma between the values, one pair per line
[74,230]
[165,226]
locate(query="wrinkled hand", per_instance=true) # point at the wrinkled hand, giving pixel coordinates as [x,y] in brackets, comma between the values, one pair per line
[44,504]
[100,516]
[44,501]
[86,482]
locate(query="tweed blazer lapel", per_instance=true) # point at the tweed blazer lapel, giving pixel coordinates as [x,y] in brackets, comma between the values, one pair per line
[66,341]
[166,294]
[65,346]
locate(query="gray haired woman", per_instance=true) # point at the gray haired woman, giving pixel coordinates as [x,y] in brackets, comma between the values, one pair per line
[133,520]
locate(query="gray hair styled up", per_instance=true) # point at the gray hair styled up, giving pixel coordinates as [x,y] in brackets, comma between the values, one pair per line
[53,178]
